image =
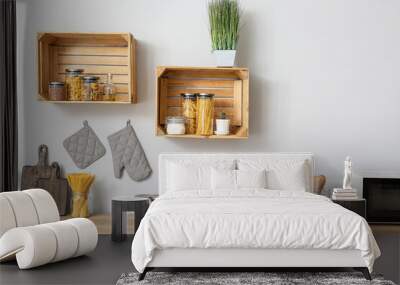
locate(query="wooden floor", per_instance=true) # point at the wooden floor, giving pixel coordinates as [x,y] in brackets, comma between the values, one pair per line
[103,266]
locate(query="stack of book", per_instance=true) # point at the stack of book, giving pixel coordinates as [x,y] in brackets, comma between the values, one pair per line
[344,194]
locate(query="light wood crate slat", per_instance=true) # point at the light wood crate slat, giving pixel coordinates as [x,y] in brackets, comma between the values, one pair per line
[89,40]
[219,92]
[121,87]
[229,112]
[117,78]
[235,137]
[121,101]
[132,70]
[88,102]
[118,97]
[92,59]
[230,86]
[122,97]
[96,53]
[44,57]
[53,57]
[92,51]
[177,111]
[95,69]
[237,101]
[174,82]
[163,100]
[202,74]
[218,102]
[244,131]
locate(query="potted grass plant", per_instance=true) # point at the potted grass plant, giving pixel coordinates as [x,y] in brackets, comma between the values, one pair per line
[224,17]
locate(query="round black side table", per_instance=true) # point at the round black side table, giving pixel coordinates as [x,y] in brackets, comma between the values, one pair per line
[119,206]
[152,197]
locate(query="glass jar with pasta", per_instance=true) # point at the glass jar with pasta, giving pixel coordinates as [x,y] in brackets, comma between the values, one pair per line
[73,82]
[90,89]
[189,112]
[205,114]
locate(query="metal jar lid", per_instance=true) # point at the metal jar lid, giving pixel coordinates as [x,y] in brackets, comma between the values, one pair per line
[74,71]
[205,95]
[90,79]
[175,120]
[55,84]
[191,96]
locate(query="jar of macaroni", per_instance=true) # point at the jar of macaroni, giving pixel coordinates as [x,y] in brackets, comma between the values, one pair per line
[90,89]
[73,82]
[205,114]
[189,111]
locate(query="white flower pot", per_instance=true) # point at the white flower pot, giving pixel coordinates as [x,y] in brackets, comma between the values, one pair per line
[225,58]
[222,127]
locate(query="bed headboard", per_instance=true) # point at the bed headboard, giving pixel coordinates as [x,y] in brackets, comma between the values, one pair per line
[165,157]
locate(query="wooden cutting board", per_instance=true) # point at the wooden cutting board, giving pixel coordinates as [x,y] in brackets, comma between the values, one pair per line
[58,188]
[32,173]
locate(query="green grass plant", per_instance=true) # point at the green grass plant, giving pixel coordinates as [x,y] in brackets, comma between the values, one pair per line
[224,17]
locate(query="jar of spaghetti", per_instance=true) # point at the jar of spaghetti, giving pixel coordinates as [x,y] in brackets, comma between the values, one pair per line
[73,82]
[189,111]
[205,114]
[90,89]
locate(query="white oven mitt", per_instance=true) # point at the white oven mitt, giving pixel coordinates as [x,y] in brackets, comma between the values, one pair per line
[128,153]
[84,146]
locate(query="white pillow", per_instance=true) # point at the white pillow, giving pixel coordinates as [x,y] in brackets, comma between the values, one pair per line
[282,174]
[223,179]
[251,178]
[193,175]
[227,179]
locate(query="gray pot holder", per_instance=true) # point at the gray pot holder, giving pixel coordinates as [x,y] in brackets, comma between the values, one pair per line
[84,146]
[127,152]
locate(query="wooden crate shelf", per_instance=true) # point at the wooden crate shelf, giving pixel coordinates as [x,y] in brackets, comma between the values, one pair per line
[96,53]
[230,86]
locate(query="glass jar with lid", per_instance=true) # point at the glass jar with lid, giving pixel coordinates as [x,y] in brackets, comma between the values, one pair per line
[205,114]
[109,89]
[175,125]
[56,91]
[73,82]
[189,111]
[90,89]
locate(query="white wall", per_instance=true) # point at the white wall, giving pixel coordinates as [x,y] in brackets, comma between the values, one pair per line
[324,78]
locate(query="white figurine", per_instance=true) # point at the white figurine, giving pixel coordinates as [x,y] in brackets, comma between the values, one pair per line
[347,174]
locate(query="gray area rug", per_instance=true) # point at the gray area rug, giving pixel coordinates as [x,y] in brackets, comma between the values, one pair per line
[244,278]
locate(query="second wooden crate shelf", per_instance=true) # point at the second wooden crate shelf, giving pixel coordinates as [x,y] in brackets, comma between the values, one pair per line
[230,86]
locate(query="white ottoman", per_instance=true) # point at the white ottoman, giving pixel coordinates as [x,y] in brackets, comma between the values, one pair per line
[34,244]
[41,244]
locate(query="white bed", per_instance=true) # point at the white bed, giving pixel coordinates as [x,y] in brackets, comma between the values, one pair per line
[249,227]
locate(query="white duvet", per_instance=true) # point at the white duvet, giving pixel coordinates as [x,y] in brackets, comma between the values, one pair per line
[250,219]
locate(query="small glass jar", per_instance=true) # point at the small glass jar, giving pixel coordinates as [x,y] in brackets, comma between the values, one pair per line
[109,89]
[56,91]
[189,111]
[175,125]
[73,82]
[205,114]
[90,89]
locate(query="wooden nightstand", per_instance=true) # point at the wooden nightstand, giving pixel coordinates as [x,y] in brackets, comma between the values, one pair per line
[358,206]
